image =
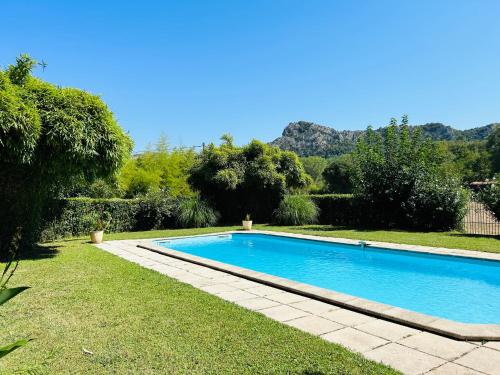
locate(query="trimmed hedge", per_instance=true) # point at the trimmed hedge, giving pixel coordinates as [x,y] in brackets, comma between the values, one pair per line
[66,217]
[338,209]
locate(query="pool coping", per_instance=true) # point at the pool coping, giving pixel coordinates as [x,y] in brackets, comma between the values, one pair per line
[445,327]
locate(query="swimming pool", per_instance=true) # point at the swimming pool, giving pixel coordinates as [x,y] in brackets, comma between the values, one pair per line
[461,289]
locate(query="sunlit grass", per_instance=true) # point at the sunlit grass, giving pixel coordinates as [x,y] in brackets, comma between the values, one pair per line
[92,312]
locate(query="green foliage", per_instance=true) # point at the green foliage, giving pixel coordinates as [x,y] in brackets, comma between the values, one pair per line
[250,179]
[314,167]
[157,169]
[49,137]
[194,212]
[399,181]
[490,196]
[19,73]
[436,203]
[339,175]
[100,188]
[6,349]
[469,160]
[296,210]
[73,216]
[158,210]
[7,294]
[97,220]
[339,209]
[155,210]
[494,147]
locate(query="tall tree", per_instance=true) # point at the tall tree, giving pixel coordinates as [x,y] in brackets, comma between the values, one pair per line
[49,136]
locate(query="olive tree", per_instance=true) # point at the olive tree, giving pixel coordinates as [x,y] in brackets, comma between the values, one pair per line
[49,137]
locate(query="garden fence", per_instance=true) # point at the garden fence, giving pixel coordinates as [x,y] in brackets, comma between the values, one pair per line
[480,220]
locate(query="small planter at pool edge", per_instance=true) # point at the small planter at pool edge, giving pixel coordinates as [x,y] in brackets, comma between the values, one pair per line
[247,224]
[96,236]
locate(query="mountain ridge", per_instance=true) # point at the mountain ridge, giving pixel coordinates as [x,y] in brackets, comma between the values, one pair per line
[310,139]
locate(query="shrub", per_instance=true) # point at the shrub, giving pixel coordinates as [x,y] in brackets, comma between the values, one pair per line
[251,179]
[97,220]
[437,204]
[71,217]
[338,209]
[155,210]
[491,198]
[399,182]
[195,212]
[338,175]
[296,210]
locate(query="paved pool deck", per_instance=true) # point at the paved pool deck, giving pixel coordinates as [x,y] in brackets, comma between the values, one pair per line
[409,350]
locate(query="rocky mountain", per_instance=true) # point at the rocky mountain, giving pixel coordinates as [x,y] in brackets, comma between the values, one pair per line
[308,139]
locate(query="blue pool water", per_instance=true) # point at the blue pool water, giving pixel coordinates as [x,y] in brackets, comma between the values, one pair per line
[460,289]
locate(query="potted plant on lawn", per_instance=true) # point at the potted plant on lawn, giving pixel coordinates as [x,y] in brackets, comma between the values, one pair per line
[247,223]
[98,222]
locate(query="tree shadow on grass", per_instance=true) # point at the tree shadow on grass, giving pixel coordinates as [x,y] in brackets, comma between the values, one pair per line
[71,239]
[36,252]
[331,228]
[468,235]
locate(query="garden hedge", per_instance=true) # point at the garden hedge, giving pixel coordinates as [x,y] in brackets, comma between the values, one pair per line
[66,217]
[338,209]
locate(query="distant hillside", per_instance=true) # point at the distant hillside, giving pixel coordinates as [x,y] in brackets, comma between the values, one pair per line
[307,138]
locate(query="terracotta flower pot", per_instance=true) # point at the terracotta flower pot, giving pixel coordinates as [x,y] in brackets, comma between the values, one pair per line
[96,236]
[247,224]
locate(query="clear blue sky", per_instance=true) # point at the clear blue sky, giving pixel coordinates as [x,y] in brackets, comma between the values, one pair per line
[197,69]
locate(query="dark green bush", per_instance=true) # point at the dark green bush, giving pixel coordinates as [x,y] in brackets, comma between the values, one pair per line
[68,217]
[436,204]
[399,183]
[339,174]
[296,210]
[195,212]
[251,179]
[338,209]
[155,210]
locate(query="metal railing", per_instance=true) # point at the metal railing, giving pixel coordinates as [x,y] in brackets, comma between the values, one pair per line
[480,220]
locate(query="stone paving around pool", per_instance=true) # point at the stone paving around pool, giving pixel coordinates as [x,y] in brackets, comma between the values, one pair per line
[406,349]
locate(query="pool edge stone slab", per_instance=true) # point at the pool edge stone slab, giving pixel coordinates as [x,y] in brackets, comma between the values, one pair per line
[449,328]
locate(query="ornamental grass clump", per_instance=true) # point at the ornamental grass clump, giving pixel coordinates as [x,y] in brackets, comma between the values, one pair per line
[194,212]
[296,210]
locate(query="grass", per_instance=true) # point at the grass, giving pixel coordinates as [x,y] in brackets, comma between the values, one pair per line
[453,240]
[135,320]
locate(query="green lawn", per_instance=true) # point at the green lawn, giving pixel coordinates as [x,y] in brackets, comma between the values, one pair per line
[138,321]
[135,320]
[454,240]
